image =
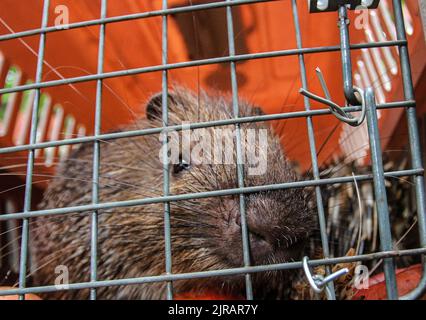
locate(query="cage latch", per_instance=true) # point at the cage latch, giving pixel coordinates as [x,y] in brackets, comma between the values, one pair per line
[318,282]
[335,109]
[353,95]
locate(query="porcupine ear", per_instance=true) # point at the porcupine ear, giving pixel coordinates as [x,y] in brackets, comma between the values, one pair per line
[154,105]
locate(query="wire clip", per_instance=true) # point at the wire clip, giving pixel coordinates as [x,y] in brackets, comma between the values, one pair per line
[335,109]
[317,281]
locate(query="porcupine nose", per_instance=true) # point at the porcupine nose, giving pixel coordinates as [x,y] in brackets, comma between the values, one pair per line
[260,237]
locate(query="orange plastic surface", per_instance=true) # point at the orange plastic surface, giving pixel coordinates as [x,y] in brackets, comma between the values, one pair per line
[272,83]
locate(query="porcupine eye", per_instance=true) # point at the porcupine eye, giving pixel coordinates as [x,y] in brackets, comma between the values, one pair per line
[181,166]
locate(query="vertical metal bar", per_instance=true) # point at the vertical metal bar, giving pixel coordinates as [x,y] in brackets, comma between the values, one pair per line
[96,156]
[240,165]
[166,181]
[413,134]
[380,193]
[346,55]
[30,163]
[312,147]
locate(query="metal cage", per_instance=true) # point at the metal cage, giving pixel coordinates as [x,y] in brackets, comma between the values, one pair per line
[378,174]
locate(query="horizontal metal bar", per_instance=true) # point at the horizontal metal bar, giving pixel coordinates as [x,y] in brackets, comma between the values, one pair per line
[208,194]
[128,17]
[216,273]
[194,63]
[196,125]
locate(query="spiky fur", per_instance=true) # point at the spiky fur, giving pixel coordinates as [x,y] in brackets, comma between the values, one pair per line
[204,232]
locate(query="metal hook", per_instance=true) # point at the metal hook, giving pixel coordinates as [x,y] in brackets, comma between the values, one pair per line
[345,52]
[335,109]
[353,95]
[319,282]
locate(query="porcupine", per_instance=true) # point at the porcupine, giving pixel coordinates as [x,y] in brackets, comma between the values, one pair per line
[205,232]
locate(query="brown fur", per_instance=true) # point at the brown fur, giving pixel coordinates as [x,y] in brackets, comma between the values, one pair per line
[205,233]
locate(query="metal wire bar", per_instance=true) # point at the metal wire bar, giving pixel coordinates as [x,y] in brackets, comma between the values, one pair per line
[312,148]
[31,154]
[217,273]
[128,17]
[377,176]
[207,194]
[194,63]
[166,181]
[381,200]
[240,164]
[195,125]
[96,156]
[318,281]
[346,55]
[336,110]
[413,134]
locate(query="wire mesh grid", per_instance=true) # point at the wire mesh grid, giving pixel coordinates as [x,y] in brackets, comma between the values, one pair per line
[378,174]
